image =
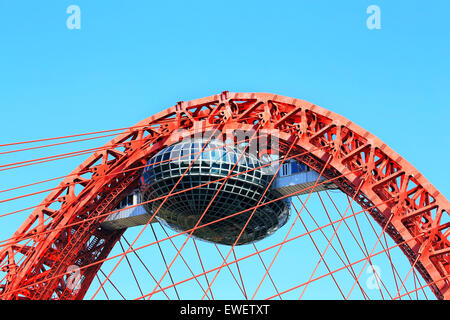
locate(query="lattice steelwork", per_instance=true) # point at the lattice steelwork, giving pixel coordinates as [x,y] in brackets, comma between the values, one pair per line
[242,190]
[410,216]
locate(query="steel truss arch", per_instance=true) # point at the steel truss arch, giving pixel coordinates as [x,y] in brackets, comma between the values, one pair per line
[64,230]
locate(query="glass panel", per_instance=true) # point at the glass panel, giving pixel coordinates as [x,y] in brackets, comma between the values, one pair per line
[224,155]
[176,155]
[166,156]
[206,155]
[185,153]
[177,147]
[194,150]
[215,167]
[233,158]
[214,155]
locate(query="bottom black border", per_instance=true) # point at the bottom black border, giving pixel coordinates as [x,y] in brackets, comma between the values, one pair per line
[218,309]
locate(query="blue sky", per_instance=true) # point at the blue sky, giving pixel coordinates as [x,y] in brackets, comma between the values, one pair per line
[130,60]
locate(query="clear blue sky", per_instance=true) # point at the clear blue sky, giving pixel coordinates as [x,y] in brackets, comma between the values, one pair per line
[132,59]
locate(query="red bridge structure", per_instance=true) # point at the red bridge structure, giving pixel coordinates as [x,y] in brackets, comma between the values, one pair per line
[68,227]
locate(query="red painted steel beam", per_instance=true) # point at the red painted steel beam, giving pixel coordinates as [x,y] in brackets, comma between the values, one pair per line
[356,157]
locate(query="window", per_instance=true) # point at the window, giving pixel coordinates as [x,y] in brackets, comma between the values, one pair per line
[166,156]
[286,169]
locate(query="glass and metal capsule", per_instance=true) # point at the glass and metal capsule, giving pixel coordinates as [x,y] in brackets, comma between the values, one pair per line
[231,201]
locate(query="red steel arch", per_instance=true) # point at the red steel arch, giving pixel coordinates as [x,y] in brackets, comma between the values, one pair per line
[65,228]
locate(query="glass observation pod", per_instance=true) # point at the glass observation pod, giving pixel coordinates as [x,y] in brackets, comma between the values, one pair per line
[206,180]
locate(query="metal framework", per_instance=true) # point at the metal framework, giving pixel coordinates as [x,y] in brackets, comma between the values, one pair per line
[65,230]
